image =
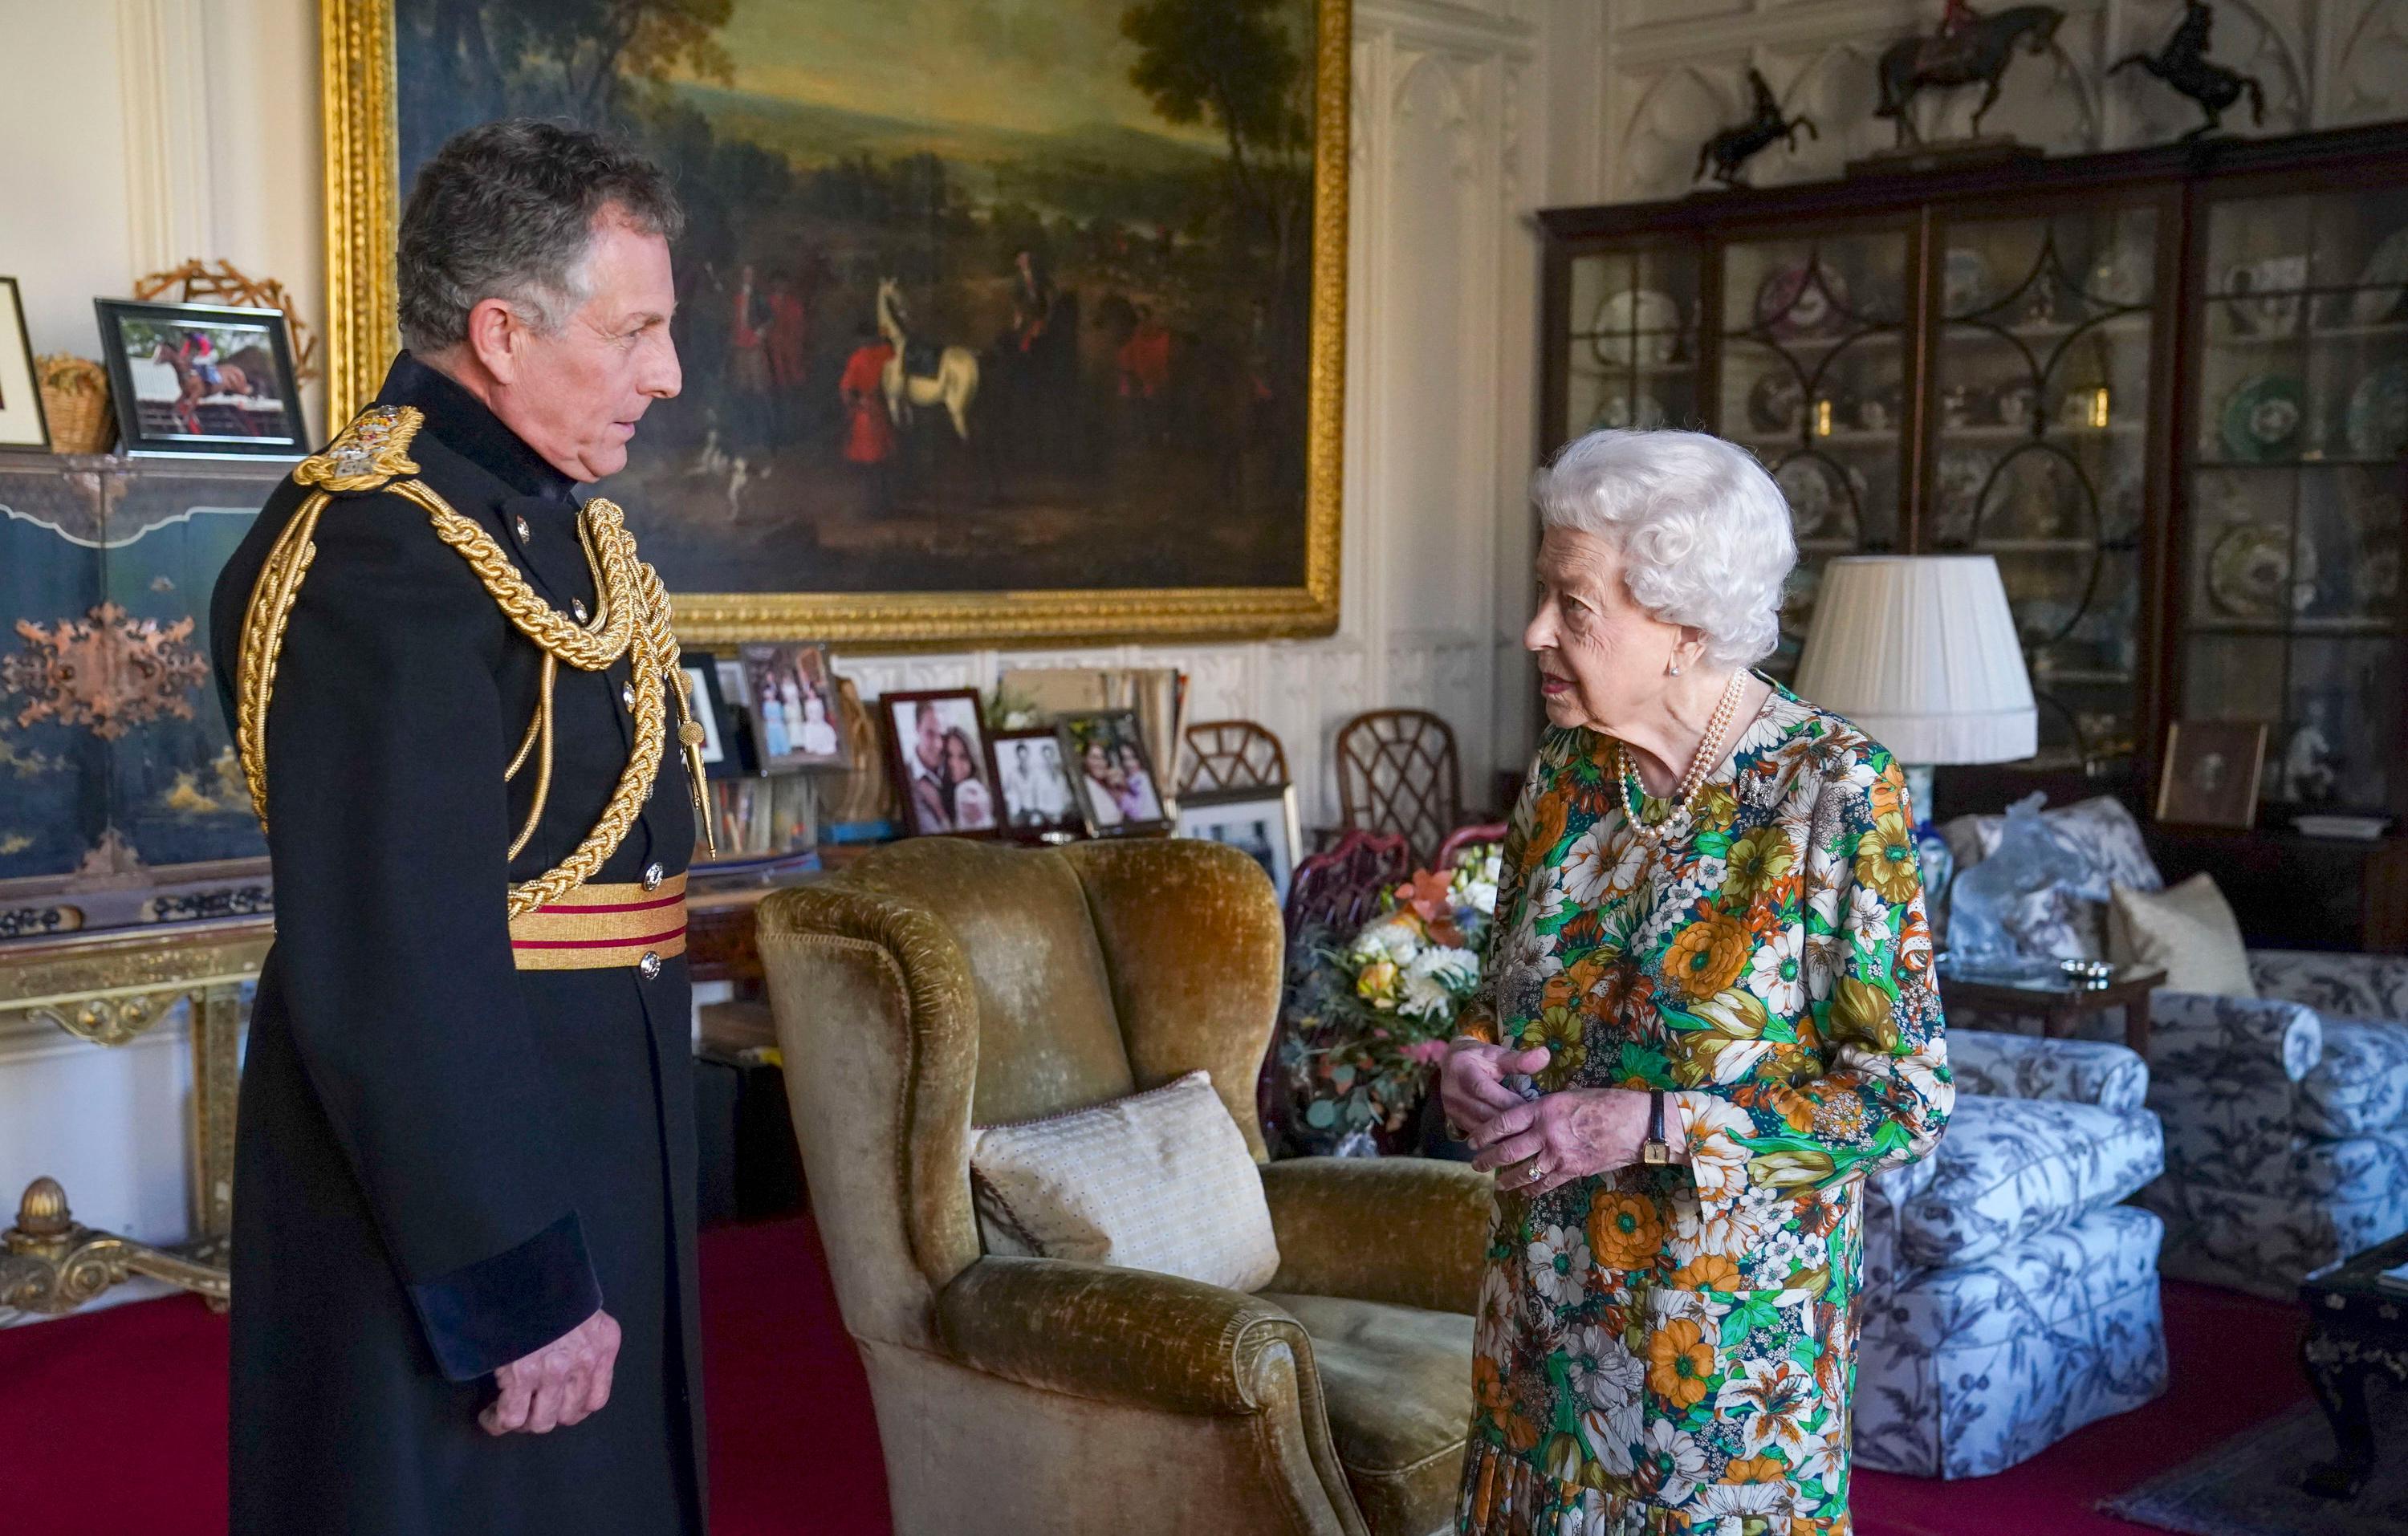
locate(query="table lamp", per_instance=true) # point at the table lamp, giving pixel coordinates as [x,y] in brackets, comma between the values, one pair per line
[1921,651]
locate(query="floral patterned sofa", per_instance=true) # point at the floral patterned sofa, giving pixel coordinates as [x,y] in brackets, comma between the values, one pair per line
[2286,1115]
[2009,1298]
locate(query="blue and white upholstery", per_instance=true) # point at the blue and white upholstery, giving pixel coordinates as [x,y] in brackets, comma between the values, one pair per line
[2009,1298]
[2286,1115]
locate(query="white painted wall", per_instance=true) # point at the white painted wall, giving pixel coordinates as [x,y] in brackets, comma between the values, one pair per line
[141,132]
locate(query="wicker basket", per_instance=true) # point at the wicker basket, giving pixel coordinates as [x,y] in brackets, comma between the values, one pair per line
[75,398]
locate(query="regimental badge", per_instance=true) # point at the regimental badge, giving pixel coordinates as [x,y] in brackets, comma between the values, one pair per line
[374,448]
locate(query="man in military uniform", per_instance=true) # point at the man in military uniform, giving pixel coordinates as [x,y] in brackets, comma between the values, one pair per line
[463,1270]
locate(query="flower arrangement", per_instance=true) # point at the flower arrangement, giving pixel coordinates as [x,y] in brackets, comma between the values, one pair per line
[1370,1014]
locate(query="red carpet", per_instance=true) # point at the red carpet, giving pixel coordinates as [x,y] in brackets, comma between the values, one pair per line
[115,1421]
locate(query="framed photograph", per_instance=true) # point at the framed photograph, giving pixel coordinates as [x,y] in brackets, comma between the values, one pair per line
[938,758]
[724,747]
[1117,793]
[990,331]
[2211,772]
[23,424]
[790,692]
[1038,796]
[204,379]
[1262,822]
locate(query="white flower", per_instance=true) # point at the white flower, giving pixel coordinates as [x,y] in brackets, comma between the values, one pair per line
[1789,1250]
[1825,955]
[1817,1460]
[1723,1499]
[1530,955]
[1777,1396]
[1493,1331]
[1735,1226]
[1868,916]
[1559,1264]
[1717,1163]
[1588,867]
[1612,1433]
[1670,1462]
[1389,937]
[1777,972]
[1543,898]
[1591,1517]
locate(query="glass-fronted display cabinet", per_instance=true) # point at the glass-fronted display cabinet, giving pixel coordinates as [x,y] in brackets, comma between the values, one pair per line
[2167,389]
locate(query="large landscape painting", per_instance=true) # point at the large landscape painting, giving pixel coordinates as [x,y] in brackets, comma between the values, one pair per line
[989,310]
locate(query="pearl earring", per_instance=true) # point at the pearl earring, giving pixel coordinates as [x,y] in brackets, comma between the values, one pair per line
[1676,668]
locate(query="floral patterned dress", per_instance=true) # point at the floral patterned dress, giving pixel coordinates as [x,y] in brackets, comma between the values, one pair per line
[1673,1349]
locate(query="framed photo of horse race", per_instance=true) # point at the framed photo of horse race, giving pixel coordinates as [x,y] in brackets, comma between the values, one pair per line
[996,326]
[201,379]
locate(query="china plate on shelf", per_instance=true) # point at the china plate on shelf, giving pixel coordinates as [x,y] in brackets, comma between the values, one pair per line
[1636,325]
[2377,425]
[2265,294]
[1814,494]
[1964,281]
[1801,299]
[2252,572]
[2382,283]
[2261,418]
[1776,401]
[1618,411]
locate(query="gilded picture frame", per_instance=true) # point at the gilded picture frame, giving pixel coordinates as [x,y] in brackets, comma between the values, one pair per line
[359,99]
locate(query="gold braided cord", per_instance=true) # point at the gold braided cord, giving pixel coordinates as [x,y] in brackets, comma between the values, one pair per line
[534,731]
[541,726]
[272,593]
[587,650]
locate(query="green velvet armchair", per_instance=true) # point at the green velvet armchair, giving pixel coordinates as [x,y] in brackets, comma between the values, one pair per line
[941,985]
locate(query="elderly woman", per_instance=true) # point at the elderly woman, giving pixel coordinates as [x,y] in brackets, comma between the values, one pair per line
[1713,1017]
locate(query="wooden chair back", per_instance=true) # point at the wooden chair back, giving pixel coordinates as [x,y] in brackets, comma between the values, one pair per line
[1222,755]
[1450,851]
[1339,888]
[1398,774]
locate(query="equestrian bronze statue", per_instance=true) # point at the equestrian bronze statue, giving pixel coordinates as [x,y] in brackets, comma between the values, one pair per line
[2184,64]
[1975,52]
[1734,146]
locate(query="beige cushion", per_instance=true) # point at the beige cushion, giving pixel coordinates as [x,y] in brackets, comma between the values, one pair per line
[2187,931]
[1397,1382]
[1158,1180]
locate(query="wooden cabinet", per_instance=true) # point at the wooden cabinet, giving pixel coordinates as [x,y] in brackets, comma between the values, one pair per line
[2044,360]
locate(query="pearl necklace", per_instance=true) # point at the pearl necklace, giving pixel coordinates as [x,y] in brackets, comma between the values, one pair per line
[1708,755]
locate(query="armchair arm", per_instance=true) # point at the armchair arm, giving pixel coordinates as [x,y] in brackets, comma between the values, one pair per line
[1412,1232]
[1123,1336]
[2080,1072]
[2224,1080]
[2193,1035]
[2367,987]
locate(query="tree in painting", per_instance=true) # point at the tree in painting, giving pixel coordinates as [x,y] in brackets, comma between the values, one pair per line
[975,296]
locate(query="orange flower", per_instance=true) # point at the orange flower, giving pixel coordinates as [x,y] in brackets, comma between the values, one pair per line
[1488,1384]
[1623,1231]
[1707,955]
[1520,1433]
[1679,1361]
[1755,1468]
[1708,1272]
[1888,796]
[1547,827]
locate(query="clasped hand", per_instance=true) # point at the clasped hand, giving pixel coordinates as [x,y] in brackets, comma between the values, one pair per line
[1536,1145]
[559,1383]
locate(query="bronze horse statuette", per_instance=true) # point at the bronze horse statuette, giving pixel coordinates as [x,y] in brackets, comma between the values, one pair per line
[1975,53]
[1734,146]
[2184,64]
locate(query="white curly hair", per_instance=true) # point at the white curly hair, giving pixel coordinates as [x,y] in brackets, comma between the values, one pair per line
[1703,531]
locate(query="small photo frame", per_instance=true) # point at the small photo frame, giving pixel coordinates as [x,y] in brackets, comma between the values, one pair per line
[201,379]
[1260,822]
[23,423]
[2211,773]
[724,754]
[940,762]
[1104,753]
[790,691]
[1039,800]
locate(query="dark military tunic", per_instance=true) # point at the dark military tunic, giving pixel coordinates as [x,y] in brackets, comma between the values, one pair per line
[443,1161]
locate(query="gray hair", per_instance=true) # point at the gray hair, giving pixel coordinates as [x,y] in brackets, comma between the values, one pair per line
[507,210]
[1702,530]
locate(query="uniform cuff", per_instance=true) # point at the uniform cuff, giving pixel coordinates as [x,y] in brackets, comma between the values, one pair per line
[483,1315]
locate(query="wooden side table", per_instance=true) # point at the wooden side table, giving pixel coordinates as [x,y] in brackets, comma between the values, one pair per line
[2358,1329]
[2059,1004]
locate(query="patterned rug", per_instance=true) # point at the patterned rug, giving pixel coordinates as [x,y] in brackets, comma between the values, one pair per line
[2249,1486]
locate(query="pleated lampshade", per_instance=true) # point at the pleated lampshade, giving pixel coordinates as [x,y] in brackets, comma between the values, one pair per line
[1920,650]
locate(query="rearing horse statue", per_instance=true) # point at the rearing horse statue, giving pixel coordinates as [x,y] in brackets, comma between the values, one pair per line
[1732,148]
[2184,64]
[1977,52]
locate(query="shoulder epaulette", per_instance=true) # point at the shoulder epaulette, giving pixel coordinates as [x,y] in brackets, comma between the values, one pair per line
[368,454]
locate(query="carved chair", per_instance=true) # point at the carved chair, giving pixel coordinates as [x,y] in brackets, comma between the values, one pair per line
[1462,839]
[1397,773]
[1226,754]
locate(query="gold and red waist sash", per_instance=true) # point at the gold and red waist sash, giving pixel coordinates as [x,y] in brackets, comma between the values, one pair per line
[599,927]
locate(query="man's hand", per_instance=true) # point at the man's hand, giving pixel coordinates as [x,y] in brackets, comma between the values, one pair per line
[1470,1083]
[559,1383]
[1564,1136]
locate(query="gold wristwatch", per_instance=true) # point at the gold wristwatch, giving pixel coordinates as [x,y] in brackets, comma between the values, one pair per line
[1655,1151]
